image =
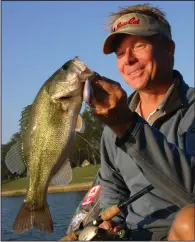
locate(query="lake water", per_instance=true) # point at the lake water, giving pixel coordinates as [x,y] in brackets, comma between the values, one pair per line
[62,207]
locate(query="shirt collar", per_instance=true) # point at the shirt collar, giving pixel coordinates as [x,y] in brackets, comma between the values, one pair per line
[172,96]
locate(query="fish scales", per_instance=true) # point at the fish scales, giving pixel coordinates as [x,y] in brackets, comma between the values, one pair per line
[47,134]
[54,128]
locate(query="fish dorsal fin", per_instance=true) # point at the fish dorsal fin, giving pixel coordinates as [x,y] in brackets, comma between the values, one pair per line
[63,176]
[80,126]
[25,118]
[14,159]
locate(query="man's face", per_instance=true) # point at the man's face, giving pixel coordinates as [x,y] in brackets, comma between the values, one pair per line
[142,62]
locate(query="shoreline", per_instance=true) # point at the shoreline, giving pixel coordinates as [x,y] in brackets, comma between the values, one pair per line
[78,187]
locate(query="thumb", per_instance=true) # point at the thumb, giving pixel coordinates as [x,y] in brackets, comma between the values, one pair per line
[117,228]
[107,225]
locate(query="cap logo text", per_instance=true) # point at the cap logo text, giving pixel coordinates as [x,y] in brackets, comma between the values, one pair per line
[132,20]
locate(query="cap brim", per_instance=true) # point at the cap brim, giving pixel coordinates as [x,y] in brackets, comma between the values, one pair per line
[108,48]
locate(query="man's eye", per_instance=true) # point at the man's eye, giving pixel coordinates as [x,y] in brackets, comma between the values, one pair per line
[119,53]
[139,46]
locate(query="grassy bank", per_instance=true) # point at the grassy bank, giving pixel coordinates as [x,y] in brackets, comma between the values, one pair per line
[82,178]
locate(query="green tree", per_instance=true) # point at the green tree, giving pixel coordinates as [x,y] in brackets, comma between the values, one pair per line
[87,144]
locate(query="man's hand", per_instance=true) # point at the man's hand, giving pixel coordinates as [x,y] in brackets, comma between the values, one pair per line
[111,226]
[110,105]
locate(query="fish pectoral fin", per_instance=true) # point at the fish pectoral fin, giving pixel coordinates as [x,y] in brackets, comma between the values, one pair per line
[29,218]
[63,176]
[14,159]
[25,119]
[80,126]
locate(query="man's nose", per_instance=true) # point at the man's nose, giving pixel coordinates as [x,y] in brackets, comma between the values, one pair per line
[130,57]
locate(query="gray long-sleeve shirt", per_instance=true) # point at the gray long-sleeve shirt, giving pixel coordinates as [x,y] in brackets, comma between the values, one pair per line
[162,154]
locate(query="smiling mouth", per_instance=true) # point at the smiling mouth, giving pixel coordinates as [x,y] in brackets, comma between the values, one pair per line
[135,72]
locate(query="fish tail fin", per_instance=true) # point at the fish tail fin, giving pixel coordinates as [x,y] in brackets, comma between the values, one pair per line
[27,218]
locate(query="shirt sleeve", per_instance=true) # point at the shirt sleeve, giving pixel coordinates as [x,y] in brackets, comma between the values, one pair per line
[114,190]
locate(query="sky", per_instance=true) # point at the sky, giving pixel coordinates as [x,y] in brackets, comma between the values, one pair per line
[39,36]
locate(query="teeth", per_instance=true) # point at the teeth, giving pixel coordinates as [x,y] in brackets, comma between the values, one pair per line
[135,72]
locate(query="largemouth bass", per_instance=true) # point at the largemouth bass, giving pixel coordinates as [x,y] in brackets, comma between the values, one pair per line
[47,134]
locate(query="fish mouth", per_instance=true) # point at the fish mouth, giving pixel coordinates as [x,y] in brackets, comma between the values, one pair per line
[67,65]
[65,98]
[74,63]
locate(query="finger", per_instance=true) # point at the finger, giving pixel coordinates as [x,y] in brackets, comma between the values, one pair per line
[116,229]
[83,76]
[95,77]
[106,225]
[105,94]
[100,96]
[107,80]
[105,106]
[107,85]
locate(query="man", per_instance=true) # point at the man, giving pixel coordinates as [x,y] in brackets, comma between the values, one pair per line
[183,227]
[149,137]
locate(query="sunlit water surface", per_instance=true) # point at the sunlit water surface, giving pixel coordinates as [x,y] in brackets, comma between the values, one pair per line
[62,207]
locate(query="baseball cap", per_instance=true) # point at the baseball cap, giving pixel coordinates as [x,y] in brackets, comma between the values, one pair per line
[135,24]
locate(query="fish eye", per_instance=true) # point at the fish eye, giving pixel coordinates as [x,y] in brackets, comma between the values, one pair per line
[67,65]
